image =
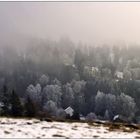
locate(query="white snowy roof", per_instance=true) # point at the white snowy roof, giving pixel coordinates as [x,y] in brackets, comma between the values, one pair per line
[94,69]
[69,111]
[115,117]
[119,74]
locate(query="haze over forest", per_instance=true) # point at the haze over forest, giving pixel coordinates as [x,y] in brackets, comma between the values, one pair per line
[92,23]
[49,60]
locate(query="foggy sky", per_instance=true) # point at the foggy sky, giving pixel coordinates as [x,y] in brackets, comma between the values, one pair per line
[89,22]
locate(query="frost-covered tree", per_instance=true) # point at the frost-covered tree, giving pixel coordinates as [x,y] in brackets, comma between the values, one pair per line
[60,113]
[68,96]
[44,79]
[78,86]
[56,82]
[52,92]
[90,92]
[134,63]
[111,105]
[106,72]
[34,92]
[79,97]
[106,116]
[91,116]
[127,74]
[100,103]
[50,108]
[135,73]
[126,106]
[38,88]
[31,90]
[79,60]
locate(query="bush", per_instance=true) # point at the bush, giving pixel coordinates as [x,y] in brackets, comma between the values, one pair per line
[60,114]
[91,116]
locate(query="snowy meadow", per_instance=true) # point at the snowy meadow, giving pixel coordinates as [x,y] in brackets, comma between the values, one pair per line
[34,128]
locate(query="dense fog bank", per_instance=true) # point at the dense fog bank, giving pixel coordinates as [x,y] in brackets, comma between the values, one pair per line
[49,76]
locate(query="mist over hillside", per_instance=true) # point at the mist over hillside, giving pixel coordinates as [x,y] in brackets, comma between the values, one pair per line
[90,22]
[70,60]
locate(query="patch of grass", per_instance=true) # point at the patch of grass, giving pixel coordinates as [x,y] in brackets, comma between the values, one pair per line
[36,121]
[93,124]
[113,127]
[47,119]
[6,132]
[95,136]
[29,123]
[57,135]
[137,137]
[105,132]
[43,135]
[132,126]
[45,127]
[74,128]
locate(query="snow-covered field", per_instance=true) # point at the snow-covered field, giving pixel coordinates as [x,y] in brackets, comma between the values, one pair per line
[33,128]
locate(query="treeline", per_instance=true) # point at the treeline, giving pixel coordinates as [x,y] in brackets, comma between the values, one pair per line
[47,77]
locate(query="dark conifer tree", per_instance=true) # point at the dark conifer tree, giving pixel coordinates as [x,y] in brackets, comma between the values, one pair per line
[16,107]
[5,101]
[30,110]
